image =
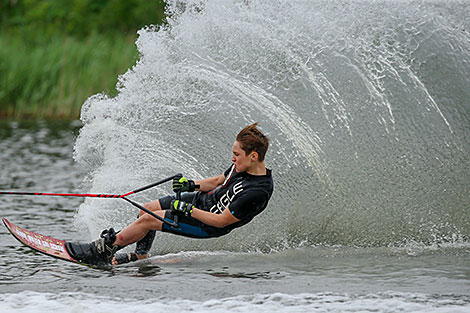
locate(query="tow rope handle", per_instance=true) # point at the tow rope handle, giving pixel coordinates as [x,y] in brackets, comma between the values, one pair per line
[178,197]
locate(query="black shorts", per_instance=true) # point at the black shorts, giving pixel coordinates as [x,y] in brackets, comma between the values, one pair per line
[187,226]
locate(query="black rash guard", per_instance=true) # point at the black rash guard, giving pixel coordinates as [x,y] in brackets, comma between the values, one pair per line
[244,194]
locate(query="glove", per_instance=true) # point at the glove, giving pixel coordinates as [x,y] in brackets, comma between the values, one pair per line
[181,208]
[182,184]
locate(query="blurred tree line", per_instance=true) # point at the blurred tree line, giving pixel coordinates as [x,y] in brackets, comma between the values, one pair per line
[79,18]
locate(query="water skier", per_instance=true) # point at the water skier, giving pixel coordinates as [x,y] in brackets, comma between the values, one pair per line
[208,208]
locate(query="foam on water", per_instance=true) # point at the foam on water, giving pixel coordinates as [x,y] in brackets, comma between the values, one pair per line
[366,104]
[30,302]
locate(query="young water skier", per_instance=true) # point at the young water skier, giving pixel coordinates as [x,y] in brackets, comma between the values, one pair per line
[210,207]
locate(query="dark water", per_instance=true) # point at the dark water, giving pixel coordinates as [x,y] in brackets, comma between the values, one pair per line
[366,104]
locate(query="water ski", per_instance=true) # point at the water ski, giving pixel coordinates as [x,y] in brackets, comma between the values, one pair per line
[47,245]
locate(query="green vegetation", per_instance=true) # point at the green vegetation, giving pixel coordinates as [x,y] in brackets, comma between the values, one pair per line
[54,54]
[53,80]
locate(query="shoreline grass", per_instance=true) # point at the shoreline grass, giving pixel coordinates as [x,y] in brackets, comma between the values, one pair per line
[51,80]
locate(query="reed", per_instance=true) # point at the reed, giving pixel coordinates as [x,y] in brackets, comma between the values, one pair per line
[52,79]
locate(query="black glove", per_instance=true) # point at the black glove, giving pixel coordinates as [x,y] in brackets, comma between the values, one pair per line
[182,184]
[181,208]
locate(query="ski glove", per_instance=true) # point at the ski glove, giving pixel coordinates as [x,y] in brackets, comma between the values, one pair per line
[182,184]
[181,208]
